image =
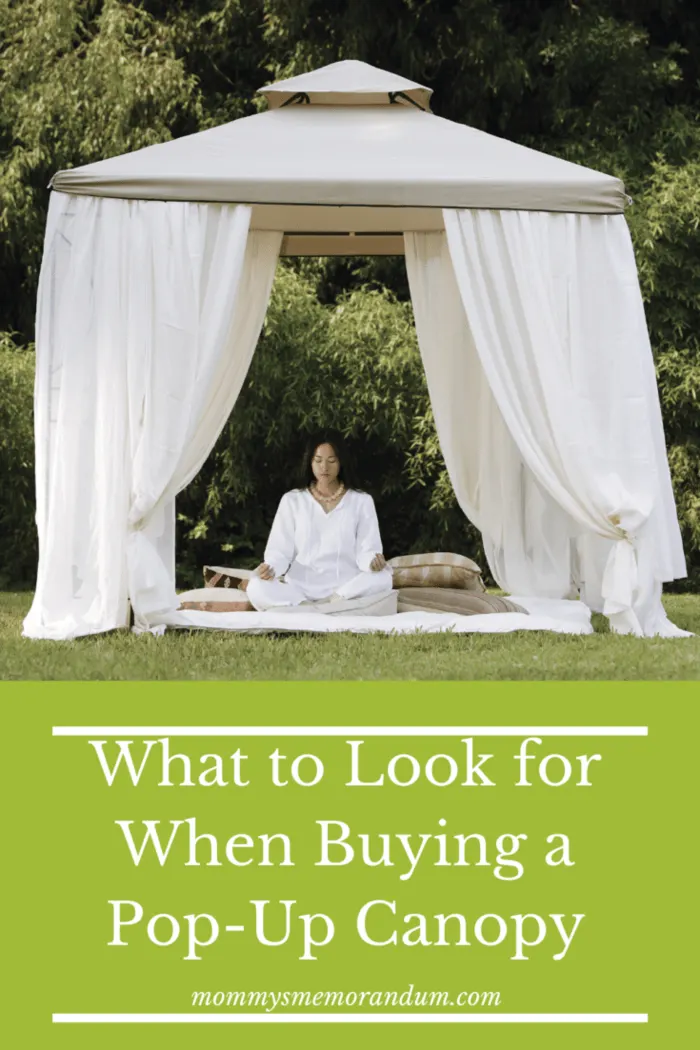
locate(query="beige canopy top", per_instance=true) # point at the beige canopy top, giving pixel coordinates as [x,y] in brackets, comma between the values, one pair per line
[347,83]
[345,160]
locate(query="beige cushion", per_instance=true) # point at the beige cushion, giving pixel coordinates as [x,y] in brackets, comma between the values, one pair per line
[453,600]
[437,570]
[214,599]
[217,576]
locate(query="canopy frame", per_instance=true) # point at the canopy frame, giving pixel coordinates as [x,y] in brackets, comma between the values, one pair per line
[153,290]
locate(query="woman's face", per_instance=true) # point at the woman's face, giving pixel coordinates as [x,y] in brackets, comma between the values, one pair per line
[325,464]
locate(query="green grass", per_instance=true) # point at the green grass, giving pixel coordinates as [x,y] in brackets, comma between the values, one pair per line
[220,655]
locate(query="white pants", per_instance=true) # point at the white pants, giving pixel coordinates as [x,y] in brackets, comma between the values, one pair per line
[268,594]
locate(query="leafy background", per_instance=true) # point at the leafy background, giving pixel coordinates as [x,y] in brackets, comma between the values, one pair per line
[613,84]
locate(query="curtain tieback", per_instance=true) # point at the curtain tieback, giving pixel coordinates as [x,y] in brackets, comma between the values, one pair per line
[143,511]
[621,578]
[137,518]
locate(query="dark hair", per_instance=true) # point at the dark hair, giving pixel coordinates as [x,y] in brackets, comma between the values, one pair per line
[346,474]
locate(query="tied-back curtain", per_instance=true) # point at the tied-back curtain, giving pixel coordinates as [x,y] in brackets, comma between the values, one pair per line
[526,536]
[553,313]
[148,315]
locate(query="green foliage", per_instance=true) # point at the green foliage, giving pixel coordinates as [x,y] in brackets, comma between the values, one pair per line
[612,84]
[354,366]
[79,81]
[666,231]
[17,543]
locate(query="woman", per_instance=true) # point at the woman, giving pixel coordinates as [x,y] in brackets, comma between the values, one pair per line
[325,538]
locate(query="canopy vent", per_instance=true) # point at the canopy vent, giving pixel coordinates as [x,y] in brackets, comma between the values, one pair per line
[348,83]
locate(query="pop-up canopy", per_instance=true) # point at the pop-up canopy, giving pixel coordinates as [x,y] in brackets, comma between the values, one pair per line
[352,137]
[155,280]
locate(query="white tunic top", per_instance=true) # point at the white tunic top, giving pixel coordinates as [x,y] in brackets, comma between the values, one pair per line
[321,551]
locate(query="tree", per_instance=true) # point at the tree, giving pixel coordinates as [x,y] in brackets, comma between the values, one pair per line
[612,84]
[79,81]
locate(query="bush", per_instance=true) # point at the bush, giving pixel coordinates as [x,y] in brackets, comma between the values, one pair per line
[354,366]
[18,549]
[666,231]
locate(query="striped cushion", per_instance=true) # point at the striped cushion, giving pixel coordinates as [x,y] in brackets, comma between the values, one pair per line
[441,569]
[214,599]
[453,600]
[220,607]
[217,576]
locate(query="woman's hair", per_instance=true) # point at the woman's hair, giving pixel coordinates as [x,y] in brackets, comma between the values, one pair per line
[346,474]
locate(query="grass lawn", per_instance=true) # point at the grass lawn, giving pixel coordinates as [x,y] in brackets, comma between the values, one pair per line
[181,656]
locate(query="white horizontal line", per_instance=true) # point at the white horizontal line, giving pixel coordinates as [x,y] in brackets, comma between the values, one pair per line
[397,1018]
[349,731]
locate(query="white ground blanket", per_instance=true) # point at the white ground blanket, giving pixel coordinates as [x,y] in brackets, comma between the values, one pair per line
[545,614]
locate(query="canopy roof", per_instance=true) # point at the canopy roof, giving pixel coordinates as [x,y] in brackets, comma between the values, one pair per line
[354,137]
[346,84]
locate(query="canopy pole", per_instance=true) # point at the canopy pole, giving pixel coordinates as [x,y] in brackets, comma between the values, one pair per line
[394,96]
[299,98]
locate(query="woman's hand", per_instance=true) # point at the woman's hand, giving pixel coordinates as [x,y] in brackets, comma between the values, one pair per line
[378,563]
[265,571]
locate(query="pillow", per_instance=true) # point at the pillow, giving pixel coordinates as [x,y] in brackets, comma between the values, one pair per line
[216,576]
[453,600]
[436,570]
[214,599]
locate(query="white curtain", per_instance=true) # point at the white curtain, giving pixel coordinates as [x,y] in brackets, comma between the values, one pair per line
[526,535]
[533,336]
[148,316]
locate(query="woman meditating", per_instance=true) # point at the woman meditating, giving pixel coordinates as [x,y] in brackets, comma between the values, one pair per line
[325,538]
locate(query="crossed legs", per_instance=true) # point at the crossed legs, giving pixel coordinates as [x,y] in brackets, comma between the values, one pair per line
[270,594]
